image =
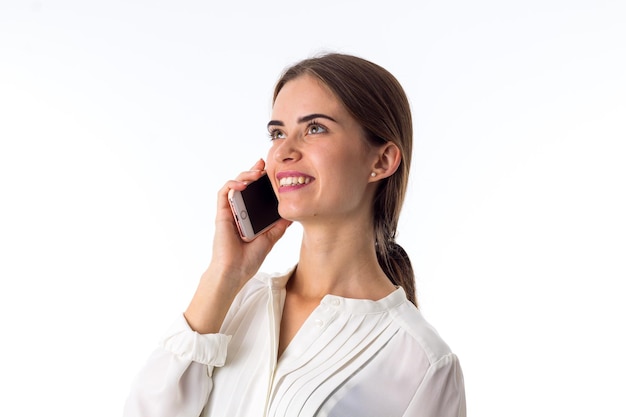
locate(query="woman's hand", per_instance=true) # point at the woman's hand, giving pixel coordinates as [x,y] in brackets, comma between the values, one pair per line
[233,262]
[240,259]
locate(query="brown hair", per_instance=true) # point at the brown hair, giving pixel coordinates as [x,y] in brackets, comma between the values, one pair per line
[377,101]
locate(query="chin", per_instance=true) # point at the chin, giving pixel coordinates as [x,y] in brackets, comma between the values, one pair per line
[294,214]
[289,215]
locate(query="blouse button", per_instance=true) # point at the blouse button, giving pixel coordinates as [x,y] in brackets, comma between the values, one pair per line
[335,302]
[319,323]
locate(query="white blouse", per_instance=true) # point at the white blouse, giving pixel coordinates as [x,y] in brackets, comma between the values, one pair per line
[350,358]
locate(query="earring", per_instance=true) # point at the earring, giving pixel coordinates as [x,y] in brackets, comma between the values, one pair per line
[373,174]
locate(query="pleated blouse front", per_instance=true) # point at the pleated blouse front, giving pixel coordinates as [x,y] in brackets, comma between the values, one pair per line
[350,358]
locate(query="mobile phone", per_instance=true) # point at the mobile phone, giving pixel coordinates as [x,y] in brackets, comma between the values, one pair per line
[255,209]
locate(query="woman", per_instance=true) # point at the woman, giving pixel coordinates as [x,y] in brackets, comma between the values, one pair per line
[340,334]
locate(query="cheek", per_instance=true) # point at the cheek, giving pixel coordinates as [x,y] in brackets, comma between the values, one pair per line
[269,159]
[356,166]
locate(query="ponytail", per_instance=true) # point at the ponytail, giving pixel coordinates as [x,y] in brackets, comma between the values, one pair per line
[392,258]
[396,264]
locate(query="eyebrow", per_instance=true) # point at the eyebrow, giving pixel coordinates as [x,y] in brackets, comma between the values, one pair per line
[303,119]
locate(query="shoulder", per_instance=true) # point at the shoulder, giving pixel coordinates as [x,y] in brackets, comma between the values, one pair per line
[417,329]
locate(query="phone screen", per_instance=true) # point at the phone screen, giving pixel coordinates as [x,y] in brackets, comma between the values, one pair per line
[261,203]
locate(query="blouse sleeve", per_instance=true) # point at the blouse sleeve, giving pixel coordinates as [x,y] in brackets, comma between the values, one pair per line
[441,393]
[176,380]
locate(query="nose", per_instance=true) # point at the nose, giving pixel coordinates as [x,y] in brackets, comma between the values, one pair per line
[286,150]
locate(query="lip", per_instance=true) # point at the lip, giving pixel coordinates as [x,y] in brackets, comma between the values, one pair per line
[287,174]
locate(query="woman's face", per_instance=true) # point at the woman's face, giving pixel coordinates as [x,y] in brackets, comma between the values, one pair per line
[320,161]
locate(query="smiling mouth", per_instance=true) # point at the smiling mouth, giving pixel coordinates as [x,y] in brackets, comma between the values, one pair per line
[291,181]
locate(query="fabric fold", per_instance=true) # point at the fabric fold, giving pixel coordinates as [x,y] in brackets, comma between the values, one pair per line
[207,349]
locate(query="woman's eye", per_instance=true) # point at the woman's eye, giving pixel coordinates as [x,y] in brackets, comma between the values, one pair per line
[315,129]
[276,134]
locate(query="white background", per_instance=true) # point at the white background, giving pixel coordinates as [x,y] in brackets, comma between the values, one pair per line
[119,120]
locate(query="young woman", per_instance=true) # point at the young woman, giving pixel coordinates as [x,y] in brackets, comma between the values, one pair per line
[340,334]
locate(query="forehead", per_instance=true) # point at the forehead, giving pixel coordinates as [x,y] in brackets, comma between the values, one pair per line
[306,94]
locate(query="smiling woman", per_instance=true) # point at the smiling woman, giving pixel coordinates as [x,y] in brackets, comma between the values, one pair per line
[339,334]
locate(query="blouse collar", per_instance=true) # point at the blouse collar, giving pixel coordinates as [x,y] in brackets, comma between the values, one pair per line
[352,305]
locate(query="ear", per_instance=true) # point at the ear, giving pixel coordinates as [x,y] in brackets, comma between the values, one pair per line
[387,161]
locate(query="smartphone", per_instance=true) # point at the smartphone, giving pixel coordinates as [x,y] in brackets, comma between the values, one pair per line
[255,209]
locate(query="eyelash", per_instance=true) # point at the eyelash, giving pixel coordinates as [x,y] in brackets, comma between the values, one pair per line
[314,123]
[273,133]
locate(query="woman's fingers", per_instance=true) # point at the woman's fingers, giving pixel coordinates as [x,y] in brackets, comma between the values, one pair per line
[277,231]
[249,176]
[258,165]
[238,184]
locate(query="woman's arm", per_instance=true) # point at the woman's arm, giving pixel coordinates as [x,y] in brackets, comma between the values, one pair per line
[176,380]
[442,392]
[233,262]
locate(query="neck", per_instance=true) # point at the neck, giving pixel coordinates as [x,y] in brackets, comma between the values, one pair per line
[339,261]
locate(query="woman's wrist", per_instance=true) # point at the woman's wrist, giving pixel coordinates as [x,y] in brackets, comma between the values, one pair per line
[215,293]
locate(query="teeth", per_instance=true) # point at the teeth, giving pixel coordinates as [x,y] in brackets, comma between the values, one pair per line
[288,181]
